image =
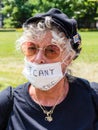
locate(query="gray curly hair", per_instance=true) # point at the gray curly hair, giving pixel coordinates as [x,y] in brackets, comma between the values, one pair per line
[39,28]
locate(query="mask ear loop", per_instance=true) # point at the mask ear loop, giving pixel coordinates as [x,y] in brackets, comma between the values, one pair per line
[70,56]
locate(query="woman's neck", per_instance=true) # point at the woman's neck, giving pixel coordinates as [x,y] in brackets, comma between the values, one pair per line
[51,97]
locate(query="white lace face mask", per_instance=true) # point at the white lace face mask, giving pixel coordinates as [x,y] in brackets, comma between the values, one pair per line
[43,76]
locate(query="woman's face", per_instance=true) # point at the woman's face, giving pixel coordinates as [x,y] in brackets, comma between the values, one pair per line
[41,50]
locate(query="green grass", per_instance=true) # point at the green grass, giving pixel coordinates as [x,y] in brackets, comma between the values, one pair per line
[11,62]
[7,43]
[89,47]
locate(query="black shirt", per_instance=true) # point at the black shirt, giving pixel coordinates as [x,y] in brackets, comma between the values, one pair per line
[78,111]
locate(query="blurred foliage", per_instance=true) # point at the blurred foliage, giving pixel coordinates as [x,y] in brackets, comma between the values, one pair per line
[15,12]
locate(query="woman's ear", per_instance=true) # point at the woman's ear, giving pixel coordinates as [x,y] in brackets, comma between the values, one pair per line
[69,58]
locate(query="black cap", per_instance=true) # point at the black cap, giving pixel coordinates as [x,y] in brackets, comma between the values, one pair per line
[69,26]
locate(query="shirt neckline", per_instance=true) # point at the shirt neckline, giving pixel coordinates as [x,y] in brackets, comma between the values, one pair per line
[33,104]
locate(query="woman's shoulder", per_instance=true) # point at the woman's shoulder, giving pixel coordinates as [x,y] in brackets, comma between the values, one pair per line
[90,87]
[93,86]
[84,83]
[7,94]
[78,81]
[21,86]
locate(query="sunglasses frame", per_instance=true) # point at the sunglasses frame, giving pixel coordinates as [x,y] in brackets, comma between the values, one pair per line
[39,48]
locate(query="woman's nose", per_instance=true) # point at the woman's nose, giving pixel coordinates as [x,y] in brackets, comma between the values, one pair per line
[39,58]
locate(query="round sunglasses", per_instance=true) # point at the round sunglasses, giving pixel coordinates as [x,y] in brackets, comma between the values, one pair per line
[51,51]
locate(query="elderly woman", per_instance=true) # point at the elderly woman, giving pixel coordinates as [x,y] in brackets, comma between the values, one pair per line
[52,99]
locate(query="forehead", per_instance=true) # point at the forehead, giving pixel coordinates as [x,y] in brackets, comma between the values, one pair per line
[42,40]
[45,38]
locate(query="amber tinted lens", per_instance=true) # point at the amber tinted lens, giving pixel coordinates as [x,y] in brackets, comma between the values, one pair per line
[32,49]
[52,51]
